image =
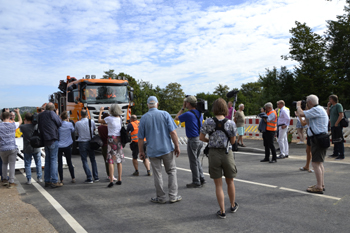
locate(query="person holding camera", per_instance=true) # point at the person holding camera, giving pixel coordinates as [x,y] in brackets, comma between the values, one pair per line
[269,134]
[48,124]
[336,113]
[193,121]
[318,125]
[29,152]
[221,161]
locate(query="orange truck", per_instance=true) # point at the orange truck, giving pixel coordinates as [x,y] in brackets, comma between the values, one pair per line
[92,94]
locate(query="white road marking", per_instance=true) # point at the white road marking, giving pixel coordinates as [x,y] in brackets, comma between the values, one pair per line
[65,215]
[266,185]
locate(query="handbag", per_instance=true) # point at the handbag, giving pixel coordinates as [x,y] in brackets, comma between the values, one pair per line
[124,136]
[96,141]
[322,140]
[344,122]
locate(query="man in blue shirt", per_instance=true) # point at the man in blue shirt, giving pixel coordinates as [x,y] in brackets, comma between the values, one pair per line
[160,129]
[193,121]
[318,124]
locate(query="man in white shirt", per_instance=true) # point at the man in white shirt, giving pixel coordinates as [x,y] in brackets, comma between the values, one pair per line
[283,124]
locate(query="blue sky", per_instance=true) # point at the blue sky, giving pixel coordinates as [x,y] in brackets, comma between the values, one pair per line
[196,43]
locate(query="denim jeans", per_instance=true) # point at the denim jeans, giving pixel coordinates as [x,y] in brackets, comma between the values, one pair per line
[1,169]
[67,151]
[84,148]
[28,162]
[51,163]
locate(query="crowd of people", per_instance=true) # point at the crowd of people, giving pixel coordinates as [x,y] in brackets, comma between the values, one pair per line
[154,140]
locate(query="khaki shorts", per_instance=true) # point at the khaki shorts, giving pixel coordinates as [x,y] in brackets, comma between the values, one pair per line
[221,163]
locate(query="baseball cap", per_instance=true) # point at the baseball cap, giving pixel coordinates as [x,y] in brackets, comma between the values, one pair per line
[152,100]
[191,99]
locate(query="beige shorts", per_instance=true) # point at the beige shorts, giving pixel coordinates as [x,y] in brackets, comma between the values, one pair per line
[221,163]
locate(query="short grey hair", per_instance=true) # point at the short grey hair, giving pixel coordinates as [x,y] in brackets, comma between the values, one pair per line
[313,99]
[83,113]
[268,105]
[115,110]
[239,106]
[50,106]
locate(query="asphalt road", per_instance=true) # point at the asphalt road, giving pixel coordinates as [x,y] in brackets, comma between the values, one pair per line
[272,198]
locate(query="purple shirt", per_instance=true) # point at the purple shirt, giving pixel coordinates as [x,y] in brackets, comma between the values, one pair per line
[229,116]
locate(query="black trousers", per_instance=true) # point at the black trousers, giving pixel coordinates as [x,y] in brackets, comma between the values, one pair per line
[268,137]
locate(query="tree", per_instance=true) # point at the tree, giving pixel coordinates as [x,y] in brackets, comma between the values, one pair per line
[221,91]
[338,55]
[250,96]
[311,75]
[172,99]
[270,84]
[146,90]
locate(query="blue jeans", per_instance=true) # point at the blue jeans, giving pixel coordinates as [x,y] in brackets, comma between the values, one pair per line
[84,148]
[28,162]
[1,169]
[51,163]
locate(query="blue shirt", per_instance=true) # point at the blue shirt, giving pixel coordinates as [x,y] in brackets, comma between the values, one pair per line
[191,121]
[65,134]
[82,129]
[318,120]
[156,126]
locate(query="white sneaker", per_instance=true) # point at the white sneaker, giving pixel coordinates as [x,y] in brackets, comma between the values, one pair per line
[29,182]
[300,143]
[40,180]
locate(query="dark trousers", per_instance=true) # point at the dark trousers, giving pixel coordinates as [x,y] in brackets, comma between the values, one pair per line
[268,137]
[338,140]
[67,151]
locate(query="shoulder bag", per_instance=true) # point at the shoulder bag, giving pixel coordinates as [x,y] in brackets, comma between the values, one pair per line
[322,140]
[96,141]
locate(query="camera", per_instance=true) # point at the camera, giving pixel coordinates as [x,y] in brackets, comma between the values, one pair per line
[303,104]
[106,108]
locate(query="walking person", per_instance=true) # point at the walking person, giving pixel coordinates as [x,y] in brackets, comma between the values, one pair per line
[114,149]
[283,124]
[318,124]
[336,113]
[65,142]
[48,124]
[240,121]
[133,129]
[221,163]
[193,120]
[29,152]
[160,129]
[8,148]
[83,129]
[103,132]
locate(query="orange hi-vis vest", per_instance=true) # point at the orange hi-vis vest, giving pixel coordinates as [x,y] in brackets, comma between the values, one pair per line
[134,137]
[272,126]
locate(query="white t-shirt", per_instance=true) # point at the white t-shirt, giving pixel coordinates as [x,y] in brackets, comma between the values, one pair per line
[114,125]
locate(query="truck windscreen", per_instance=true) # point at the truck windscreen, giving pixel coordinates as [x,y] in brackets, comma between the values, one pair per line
[104,94]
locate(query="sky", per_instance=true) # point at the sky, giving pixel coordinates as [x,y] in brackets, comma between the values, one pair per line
[198,44]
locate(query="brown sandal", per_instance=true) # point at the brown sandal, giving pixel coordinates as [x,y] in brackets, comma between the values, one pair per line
[314,190]
[314,186]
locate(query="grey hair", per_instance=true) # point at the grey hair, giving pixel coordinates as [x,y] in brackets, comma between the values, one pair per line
[313,99]
[239,106]
[83,113]
[269,105]
[50,106]
[115,110]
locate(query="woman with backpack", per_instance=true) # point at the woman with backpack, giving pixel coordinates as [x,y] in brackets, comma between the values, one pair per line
[221,132]
[114,148]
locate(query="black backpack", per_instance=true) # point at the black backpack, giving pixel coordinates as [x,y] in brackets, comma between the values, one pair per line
[124,136]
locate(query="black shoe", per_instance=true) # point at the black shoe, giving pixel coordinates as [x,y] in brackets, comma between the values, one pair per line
[339,158]
[286,156]
[278,149]
[203,182]
[119,182]
[235,208]
[280,157]
[110,185]
[193,185]
[264,160]
[220,215]
[273,161]
[332,156]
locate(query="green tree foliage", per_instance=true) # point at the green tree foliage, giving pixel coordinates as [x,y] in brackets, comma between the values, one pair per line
[172,98]
[146,91]
[338,55]
[221,91]
[311,75]
[250,96]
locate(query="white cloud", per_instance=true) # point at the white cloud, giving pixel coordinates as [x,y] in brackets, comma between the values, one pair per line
[157,41]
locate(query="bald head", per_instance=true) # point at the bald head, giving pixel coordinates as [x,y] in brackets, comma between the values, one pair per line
[50,106]
[133,118]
